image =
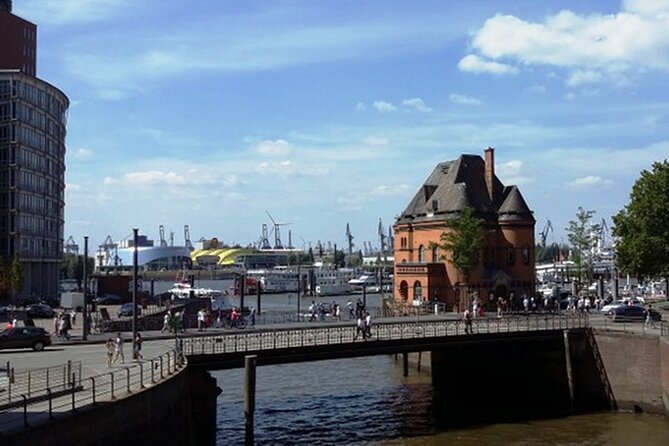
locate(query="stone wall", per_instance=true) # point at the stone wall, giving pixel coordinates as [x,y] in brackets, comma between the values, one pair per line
[180,411]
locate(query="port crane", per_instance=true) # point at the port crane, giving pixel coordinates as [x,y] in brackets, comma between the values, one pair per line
[71,246]
[548,227]
[349,237]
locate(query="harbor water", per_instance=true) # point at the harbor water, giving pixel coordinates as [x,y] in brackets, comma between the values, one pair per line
[367,401]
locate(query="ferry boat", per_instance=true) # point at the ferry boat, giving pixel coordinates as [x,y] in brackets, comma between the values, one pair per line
[219,300]
[275,280]
[334,281]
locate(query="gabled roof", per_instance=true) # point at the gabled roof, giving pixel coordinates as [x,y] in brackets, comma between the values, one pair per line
[454,185]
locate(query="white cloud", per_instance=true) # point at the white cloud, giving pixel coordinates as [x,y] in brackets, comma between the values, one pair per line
[153,177]
[580,77]
[279,147]
[384,107]
[417,104]
[288,168]
[477,65]
[72,187]
[109,180]
[589,182]
[63,12]
[376,141]
[82,154]
[390,190]
[512,172]
[591,48]
[360,107]
[461,99]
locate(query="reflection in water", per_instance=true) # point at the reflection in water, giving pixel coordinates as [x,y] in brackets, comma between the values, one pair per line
[366,401]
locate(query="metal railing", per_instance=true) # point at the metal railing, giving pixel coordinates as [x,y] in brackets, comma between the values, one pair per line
[636,326]
[237,342]
[56,402]
[36,383]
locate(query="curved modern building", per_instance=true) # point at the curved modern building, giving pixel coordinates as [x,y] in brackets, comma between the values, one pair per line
[33,117]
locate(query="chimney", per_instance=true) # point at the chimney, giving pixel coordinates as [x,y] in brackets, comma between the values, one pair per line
[490,172]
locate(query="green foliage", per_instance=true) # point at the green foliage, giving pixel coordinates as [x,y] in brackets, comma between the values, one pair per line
[550,253]
[16,275]
[642,227]
[583,235]
[300,258]
[463,241]
[72,267]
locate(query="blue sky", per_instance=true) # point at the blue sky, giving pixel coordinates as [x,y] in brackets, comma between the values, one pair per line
[323,113]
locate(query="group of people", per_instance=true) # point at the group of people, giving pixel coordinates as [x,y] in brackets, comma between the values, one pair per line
[363,326]
[318,311]
[63,322]
[115,349]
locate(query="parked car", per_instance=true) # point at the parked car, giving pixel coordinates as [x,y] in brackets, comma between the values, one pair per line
[108,299]
[126,310]
[39,311]
[627,313]
[25,337]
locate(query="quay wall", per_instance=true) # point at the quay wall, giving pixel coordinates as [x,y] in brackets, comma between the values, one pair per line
[179,411]
[638,370]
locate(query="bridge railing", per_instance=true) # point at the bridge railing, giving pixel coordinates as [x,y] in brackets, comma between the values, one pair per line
[340,334]
[36,382]
[57,401]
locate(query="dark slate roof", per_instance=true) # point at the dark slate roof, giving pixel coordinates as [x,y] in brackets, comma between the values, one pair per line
[454,185]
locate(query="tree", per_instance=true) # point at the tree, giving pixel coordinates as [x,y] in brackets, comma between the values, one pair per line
[583,235]
[463,241]
[641,228]
[16,275]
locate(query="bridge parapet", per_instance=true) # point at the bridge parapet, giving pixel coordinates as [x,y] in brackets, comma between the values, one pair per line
[384,331]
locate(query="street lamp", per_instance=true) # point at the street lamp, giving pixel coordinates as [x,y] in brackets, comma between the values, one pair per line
[134,286]
[84,311]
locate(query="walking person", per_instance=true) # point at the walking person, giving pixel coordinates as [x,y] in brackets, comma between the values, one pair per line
[118,349]
[166,322]
[467,318]
[252,317]
[368,326]
[110,351]
[137,347]
[650,323]
[200,319]
[359,328]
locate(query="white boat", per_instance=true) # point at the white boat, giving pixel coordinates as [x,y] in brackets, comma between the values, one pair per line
[275,280]
[334,281]
[219,300]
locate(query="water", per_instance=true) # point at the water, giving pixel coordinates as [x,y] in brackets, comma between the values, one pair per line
[366,401]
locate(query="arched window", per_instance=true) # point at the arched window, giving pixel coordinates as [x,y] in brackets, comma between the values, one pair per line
[404,290]
[417,291]
[421,254]
[435,254]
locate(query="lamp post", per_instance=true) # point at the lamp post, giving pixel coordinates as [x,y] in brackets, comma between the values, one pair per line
[134,286]
[299,279]
[84,311]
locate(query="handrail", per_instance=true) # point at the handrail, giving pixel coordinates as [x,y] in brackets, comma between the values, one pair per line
[339,334]
[79,393]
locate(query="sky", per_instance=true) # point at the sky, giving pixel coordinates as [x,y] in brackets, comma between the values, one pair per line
[218,114]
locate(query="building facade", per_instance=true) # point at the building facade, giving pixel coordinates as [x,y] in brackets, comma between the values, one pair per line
[18,45]
[423,272]
[33,118]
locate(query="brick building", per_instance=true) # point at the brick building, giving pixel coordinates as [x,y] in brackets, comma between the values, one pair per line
[18,45]
[506,266]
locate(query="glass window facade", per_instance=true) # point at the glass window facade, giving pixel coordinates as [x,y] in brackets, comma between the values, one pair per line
[33,119]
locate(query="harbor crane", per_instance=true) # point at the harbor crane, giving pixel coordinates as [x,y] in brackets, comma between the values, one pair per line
[263,241]
[71,246]
[187,241]
[349,237]
[161,231]
[544,233]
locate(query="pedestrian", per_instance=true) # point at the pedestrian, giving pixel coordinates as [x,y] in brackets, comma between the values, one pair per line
[351,312]
[166,322]
[359,328]
[253,316]
[200,319]
[63,328]
[650,323]
[110,351]
[56,321]
[368,326]
[467,318]
[137,347]
[118,349]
